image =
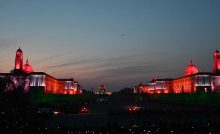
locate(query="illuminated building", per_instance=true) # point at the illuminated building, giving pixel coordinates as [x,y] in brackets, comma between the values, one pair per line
[156,86]
[192,81]
[102,91]
[160,86]
[24,76]
[141,88]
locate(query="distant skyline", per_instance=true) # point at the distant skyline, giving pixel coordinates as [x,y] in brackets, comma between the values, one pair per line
[116,42]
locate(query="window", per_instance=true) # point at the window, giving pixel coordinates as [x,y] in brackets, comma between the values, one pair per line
[203,80]
[36,81]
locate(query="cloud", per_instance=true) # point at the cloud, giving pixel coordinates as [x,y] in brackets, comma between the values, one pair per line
[73,63]
[51,57]
[133,70]
[5,43]
[125,65]
[95,62]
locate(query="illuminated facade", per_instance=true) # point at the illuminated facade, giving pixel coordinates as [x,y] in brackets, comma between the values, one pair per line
[102,91]
[24,76]
[155,86]
[192,81]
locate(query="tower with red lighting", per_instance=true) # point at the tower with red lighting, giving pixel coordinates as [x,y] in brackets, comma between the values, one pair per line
[19,60]
[216,64]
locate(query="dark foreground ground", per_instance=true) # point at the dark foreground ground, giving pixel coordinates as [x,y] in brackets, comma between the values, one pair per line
[110,115]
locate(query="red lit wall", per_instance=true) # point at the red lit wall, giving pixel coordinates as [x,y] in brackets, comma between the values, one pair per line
[184,85]
[55,86]
[51,85]
[215,83]
[157,87]
[142,88]
[168,87]
[218,64]
[145,89]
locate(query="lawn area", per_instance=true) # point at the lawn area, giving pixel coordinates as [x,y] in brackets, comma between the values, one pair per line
[199,98]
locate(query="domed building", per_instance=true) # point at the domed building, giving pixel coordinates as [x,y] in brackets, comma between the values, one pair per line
[27,67]
[24,76]
[192,81]
[191,69]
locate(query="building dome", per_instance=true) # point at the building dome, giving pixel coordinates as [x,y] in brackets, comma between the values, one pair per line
[27,67]
[191,69]
[102,87]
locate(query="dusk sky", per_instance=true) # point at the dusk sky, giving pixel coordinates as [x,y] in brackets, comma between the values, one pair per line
[116,42]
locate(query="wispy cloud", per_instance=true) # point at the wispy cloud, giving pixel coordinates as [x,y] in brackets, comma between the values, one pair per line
[5,43]
[133,70]
[50,57]
[73,63]
[95,62]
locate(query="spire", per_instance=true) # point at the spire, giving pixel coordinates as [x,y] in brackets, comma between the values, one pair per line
[19,49]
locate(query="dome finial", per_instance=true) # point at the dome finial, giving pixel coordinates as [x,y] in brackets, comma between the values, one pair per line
[19,49]
[27,61]
[191,62]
